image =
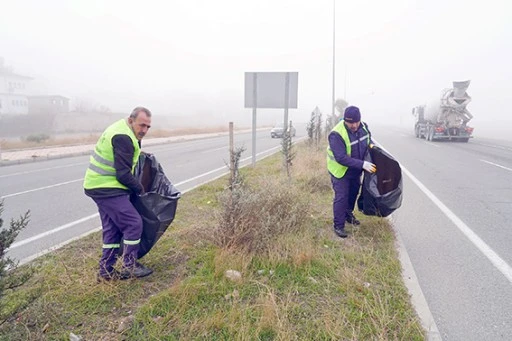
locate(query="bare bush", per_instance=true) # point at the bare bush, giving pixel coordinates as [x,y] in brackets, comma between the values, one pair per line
[251,218]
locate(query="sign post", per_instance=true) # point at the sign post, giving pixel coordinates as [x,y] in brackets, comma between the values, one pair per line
[271,90]
[254,106]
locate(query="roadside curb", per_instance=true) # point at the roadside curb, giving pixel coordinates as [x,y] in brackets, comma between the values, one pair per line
[410,279]
[87,149]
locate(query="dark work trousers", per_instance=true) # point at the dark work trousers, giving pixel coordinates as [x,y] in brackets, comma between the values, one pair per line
[345,195]
[119,220]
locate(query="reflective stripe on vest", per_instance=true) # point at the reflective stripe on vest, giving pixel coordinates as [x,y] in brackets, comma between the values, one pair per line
[98,158]
[101,172]
[336,169]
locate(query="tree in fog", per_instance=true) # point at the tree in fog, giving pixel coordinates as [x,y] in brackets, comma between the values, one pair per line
[340,105]
[86,105]
[3,67]
[335,117]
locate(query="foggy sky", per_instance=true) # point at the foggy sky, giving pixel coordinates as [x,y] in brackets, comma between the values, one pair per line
[189,57]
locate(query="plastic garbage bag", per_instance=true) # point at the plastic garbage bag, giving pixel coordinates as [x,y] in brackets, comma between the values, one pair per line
[381,192]
[157,206]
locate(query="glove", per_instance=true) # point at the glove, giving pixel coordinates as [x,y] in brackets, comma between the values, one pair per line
[369,167]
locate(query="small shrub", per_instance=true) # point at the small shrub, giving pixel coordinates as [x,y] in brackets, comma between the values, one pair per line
[37,138]
[9,278]
[251,218]
[288,153]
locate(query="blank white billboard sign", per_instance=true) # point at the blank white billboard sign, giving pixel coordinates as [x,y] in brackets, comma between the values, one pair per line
[270,89]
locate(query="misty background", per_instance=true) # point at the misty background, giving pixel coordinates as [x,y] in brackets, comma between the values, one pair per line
[185,60]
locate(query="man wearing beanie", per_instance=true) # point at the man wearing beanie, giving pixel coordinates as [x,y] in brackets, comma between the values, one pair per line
[348,145]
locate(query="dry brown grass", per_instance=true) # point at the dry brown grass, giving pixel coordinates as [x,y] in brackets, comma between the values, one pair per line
[188,131]
[51,142]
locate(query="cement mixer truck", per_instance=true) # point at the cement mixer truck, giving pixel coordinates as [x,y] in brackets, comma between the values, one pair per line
[445,118]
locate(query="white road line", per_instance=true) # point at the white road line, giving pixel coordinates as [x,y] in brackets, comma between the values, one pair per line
[223,168]
[42,169]
[432,144]
[199,176]
[494,146]
[57,229]
[58,246]
[495,164]
[212,150]
[40,188]
[486,250]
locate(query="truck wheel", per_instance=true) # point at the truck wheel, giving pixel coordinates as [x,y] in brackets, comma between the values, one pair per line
[465,140]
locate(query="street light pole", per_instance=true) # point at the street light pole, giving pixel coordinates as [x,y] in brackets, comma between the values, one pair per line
[345,87]
[333,56]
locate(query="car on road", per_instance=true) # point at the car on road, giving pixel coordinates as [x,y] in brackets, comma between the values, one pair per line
[278,130]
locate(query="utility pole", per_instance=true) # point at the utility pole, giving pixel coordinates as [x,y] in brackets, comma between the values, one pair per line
[345,87]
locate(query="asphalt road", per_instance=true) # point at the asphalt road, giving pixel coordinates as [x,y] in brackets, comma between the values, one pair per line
[456,224]
[59,210]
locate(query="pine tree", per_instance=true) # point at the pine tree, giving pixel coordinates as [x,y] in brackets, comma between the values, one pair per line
[9,278]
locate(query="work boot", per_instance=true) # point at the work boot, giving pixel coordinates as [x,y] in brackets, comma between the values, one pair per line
[340,232]
[351,219]
[111,276]
[137,271]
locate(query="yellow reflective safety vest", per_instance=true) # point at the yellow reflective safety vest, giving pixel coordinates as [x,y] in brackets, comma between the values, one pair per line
[336,169]
[101,172]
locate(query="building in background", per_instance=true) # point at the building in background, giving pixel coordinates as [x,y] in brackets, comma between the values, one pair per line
[13,93]
[48,105]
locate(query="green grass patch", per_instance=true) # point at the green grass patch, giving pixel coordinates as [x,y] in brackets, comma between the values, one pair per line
[298,280]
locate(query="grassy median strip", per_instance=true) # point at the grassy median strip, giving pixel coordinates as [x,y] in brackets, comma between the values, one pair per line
[258,263]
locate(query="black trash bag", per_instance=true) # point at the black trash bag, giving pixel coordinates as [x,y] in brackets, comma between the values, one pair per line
[381,192]
[157,206]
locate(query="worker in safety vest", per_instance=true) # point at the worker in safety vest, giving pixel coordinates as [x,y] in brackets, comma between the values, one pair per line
[348,145]
[109,181]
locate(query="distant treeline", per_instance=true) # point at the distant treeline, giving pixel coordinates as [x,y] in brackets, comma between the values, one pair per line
[23,125]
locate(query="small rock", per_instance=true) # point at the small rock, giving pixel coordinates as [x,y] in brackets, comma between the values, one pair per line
[73,337]
[125,324]
[234,295]
[366,284]
[233,275]
[271,272]
[261,272]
